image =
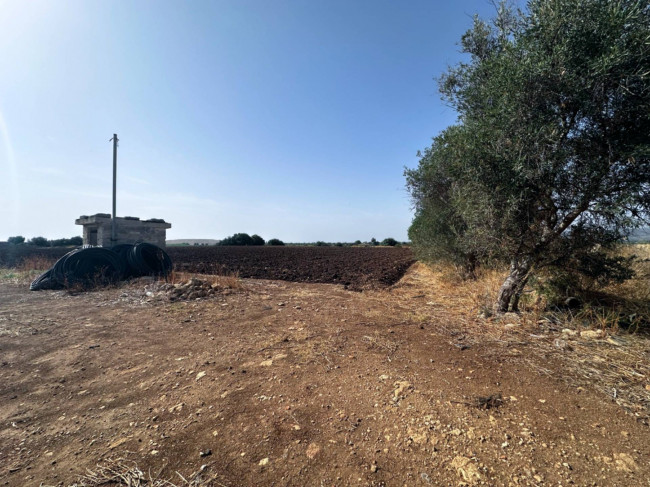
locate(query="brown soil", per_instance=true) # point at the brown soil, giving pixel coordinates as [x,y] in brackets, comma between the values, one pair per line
[354,267]
[14,255]
[291,384]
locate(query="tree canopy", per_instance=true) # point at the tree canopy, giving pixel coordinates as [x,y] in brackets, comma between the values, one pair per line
[39,242]
[550,157]
[390,242]
[242,239]
[257,240]
[59,242]
[18,239]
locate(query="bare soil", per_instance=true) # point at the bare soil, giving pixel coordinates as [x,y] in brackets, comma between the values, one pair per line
[13,255]
[290,384]
[356,268]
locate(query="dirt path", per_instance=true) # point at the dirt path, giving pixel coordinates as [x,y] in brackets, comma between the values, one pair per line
[277,383]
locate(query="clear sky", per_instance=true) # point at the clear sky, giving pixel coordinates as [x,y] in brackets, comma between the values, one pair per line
[289,119]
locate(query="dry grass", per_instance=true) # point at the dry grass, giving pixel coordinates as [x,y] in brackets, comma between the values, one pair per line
[445,287]
[633,296]
[622,307]
[382,343]
[617,365]
[35,263]
[27,269]
[123,472]
[229,280]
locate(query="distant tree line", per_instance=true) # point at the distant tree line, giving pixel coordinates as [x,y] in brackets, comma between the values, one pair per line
[245,239]
[387,242]
[242,239]
[43,242]
[236,239]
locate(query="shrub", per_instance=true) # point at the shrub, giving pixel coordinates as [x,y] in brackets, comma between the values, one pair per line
[257,240]
[16,240]
[390,242]
[274,241]
[242,239]
[66,242]
[584,274]
[39,242]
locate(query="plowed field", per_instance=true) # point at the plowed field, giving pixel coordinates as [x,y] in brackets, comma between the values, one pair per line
[14,255]
[354,267]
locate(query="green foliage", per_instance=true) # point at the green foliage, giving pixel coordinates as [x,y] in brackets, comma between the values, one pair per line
[582,273]
[242,239]
[59,242]
[551,152]
[39,242]
[390,242]
[274,241]
[67,242]
[238,239]
[257,240]
[16,240]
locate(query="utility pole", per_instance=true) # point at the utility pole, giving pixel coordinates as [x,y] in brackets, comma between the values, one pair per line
[113,231]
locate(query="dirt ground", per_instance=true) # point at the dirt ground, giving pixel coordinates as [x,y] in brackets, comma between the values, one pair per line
[288,384]
[357,268]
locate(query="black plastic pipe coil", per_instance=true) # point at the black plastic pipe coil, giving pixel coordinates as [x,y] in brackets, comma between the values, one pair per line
[94,266]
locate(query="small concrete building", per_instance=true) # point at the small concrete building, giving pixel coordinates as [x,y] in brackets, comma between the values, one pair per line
[128,230]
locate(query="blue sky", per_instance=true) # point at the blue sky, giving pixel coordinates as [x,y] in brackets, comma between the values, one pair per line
[289,119]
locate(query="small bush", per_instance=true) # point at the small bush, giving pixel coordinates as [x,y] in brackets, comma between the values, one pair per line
[67,242]
[39,242]
[275,241]
[36,263]
[389,242]
[16,240]
[238,239]
[583,275]
[257,240]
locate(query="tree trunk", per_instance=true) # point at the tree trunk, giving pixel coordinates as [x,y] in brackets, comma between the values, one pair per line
[513,286]
[514,302]
[469,267]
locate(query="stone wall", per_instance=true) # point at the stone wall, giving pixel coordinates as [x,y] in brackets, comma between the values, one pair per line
[129,230]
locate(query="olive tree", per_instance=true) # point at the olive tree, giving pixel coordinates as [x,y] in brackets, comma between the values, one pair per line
[549,159]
